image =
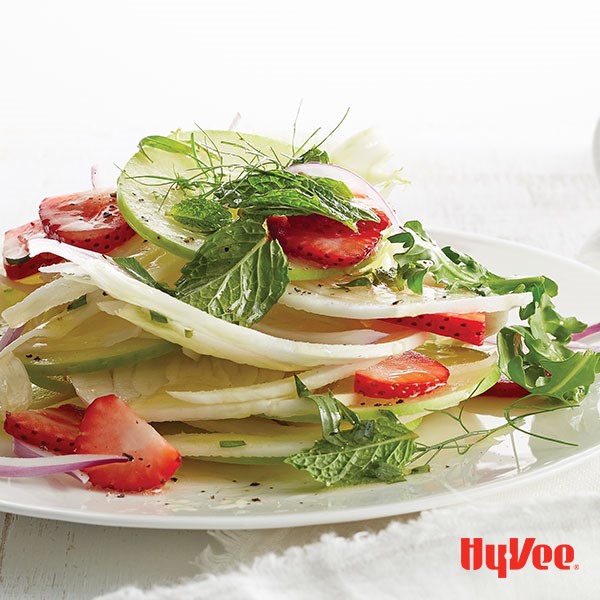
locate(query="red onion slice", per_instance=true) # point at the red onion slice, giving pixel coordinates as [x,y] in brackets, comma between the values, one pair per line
[40,465]
[370,197]
[23,450]
[10,335]
[591,330]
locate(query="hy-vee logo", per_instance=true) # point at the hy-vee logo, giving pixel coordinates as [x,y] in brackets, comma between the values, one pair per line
[474,554]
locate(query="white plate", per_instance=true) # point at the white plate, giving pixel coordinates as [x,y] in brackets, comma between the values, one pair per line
[263,497]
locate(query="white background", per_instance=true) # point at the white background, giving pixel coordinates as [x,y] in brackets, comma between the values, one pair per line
[455,84]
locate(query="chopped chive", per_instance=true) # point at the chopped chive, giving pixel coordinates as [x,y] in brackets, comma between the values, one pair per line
[81,301]
[231,443]
[188,333]
[156,316]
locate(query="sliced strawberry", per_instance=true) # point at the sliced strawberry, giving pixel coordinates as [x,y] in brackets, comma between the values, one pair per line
[468,328]
[17,262]
[109,426]
[329,243]
[89,220]
[505,388]
[52,429]
[402,376]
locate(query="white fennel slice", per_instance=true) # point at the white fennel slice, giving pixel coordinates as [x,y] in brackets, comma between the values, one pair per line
[283,388]
[50,295]
[223,382]
[382,302]
[209,445]
[284,322]
[15,388]
[280,442]
[205,334]
[221,387]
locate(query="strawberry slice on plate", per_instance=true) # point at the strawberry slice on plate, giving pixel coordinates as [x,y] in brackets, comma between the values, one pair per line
[505,388]
[17,262]
[109,426]
[468,328]
[53,429]
[329,243]
[406,375]
[89,220]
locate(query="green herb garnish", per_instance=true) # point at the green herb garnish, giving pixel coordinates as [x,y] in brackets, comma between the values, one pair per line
[238,274]
[158,317]
[536,355]
[205,216]
[374,449]
[231,443]
[422,256]
[133,266]
[81,301]
[277,192]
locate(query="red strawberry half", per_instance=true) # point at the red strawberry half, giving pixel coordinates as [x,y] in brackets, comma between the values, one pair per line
[327,242]
[52,429]
[468,328]
[109,426]
[403,376]
[89,220]
[17,262]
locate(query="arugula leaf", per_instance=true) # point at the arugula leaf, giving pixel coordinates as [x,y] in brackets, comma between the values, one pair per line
[375,449]
[277,192]
[203,215]
[135,269]
[535,356]
[448,266]
[238,274]
[567,379]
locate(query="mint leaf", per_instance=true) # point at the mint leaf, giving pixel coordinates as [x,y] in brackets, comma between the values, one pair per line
[203,215]
[331,411]
[375,449]
[237,274]
[277,192]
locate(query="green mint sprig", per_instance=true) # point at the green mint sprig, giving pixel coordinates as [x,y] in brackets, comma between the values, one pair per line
[238,274]
[371,450]
[278,192]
